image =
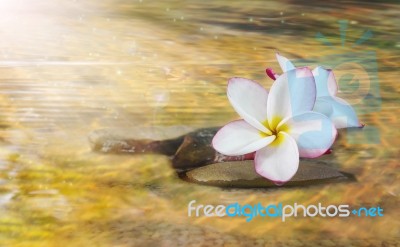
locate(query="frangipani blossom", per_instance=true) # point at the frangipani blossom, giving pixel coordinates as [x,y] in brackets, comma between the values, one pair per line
[327,103]
[280,126]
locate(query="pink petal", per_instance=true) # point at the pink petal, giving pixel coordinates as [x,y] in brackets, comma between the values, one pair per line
[249,99]
[278,162]
[271,74]
[238,138]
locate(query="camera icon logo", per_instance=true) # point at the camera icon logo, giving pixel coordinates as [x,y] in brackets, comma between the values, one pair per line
[356,73]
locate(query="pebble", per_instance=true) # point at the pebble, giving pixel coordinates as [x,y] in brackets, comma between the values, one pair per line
[241,174]
[196,151]
[188,148]
[196,161]
[139,140]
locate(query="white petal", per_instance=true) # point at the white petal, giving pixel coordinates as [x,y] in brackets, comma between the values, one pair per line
[285,64]
[249,99]
[314,133]
[291,94]
[325,82]
[323,106]
[238,138]
[342,114]
[278,161]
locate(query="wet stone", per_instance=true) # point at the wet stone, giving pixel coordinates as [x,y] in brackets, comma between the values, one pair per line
[195,160]
[190,149]
[241,174]
[139,140]
[196,151]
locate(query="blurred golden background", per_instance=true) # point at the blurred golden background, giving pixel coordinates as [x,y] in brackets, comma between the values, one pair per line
[68,67]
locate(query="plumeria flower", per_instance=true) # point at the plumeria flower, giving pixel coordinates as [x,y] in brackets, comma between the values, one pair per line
[327,103]
[278,126]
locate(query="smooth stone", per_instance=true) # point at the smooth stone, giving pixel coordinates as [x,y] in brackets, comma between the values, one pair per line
[196,151]
[157,139]
[190,149]
[241,174]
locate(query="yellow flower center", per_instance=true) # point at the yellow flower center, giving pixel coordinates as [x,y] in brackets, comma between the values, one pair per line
[276,128]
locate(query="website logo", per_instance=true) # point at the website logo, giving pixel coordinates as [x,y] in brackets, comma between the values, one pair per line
[280,211]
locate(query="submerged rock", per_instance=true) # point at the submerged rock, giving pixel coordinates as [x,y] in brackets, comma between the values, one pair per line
[189,148]
[196,161]
[196,151]
[241,174]
[162,140]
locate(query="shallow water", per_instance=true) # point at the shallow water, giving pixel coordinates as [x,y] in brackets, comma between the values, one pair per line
[70,67]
